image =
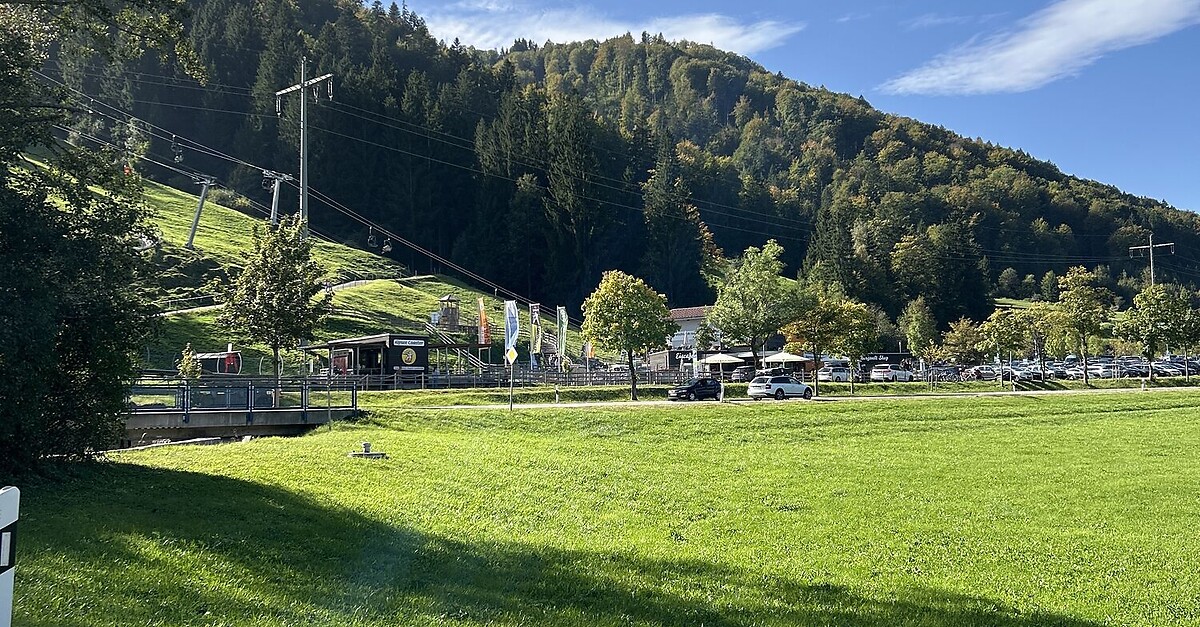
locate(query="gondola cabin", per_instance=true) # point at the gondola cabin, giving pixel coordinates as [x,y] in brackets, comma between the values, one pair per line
[227,361]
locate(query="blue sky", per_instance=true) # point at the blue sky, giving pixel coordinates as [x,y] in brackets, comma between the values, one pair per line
[1107,89]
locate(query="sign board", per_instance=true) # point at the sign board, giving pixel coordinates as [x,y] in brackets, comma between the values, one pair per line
[10,501]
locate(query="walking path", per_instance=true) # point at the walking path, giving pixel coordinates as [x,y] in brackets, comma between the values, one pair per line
[822,399]
[336,288]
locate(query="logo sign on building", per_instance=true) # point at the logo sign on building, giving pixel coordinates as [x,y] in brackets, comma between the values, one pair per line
[485,332]
[10,502]
[408,354]
[512,328]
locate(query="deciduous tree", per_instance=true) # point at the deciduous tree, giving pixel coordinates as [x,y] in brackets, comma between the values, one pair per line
[1157,317]
[1083,309]
[1004,331]
[625,314]
[754,301]
[961,342]
[858,335]
[277,299]
[816,320]
[188,366]
[919,327]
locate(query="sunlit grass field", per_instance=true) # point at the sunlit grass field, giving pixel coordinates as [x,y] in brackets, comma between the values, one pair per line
[1066,510]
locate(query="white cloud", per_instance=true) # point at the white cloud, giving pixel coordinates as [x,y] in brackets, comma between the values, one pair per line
[934,20]
[1056,42]
[496,23]
[852,17]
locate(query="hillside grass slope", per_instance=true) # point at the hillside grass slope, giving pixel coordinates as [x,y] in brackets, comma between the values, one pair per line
[379,300]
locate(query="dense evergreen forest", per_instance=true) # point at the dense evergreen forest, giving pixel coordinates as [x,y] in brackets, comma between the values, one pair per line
[543,165]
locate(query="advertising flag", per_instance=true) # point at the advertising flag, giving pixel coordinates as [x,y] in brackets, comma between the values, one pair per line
[512,328]
[485,332]
[535,328]
[562,335]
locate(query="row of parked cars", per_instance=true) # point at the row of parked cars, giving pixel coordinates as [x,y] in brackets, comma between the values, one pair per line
[1103,367]
[778,387]
[779,384]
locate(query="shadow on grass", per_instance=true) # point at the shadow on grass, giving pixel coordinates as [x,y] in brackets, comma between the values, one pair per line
[126,544]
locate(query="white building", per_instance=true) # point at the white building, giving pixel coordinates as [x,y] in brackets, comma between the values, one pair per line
[689,320]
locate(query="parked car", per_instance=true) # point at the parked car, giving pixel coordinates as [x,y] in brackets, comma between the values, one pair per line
[835,374]
[981,373]
[696,389]
[890,372]
[778,388]
[741,374]
[1165,370]
[771,372]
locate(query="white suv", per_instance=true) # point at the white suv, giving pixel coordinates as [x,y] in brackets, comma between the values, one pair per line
[837,374]
[890,372]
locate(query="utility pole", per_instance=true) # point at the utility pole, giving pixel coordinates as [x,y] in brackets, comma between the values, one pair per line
[206,182]
[1150,249]
[304,84]
[274,179]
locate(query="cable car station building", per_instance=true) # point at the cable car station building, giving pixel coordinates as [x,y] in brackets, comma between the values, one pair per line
[385,354]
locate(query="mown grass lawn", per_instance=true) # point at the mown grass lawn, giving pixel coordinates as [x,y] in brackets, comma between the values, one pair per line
[1013,511]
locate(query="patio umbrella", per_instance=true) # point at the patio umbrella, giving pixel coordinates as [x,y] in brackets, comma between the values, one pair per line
[721,359]
[784,357]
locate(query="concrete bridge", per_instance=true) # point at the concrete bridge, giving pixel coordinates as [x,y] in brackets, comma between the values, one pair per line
[235,407]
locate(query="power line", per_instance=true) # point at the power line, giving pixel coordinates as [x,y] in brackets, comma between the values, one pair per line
[999,256]
[529,161]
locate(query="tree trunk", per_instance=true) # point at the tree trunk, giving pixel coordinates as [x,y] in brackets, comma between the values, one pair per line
[632,379]
[817,364]
[853,369]
[1083,352]
[1150,364]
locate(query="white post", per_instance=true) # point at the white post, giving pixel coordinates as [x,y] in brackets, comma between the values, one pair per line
[10,503]
[275,202]
[206,182]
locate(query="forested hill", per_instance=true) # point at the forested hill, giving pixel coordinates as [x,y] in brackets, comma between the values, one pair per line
[542,165]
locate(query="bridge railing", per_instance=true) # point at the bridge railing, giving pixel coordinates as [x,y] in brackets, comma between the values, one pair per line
[242,394]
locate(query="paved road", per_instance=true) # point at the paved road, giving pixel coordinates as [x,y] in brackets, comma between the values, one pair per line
[823,399]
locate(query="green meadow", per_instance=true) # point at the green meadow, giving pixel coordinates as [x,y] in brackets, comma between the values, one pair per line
[1073,510]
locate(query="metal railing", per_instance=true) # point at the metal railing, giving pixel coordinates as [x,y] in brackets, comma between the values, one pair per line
[243,394]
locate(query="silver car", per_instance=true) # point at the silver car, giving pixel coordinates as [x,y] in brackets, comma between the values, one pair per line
[778,388]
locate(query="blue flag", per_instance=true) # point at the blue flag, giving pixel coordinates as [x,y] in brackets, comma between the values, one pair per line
[512,327]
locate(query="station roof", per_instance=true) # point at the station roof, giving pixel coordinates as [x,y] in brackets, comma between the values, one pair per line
[364,340]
